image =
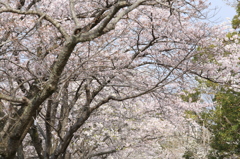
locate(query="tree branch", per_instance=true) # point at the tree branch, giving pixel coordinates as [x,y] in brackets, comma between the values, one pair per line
[23,100]
[109,22]
[73,13]
[46,17]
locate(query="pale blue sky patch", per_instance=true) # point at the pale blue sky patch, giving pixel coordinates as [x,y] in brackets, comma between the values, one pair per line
[224,12]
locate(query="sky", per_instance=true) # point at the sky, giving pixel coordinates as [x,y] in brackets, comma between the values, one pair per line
[223,11]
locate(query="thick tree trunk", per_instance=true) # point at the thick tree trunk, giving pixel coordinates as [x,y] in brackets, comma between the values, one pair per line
[11,141]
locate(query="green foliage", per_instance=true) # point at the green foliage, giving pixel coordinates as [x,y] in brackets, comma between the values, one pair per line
[191,97]
[215,155]
[236,20]
[224,123]
[188,155]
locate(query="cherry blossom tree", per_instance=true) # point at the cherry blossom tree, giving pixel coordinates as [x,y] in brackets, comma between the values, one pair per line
[67,66]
